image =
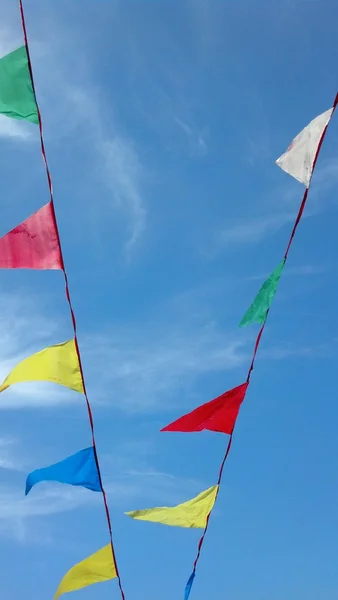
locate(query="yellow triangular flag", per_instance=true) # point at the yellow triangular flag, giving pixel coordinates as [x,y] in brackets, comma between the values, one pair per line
[192,513]
[99,566]
[59,364]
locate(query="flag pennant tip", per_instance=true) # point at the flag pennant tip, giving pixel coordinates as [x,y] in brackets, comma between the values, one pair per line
[189,585]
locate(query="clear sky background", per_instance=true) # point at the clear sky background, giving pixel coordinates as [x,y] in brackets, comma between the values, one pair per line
[163,120]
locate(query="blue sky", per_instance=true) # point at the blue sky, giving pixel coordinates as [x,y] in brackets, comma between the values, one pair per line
[163,121]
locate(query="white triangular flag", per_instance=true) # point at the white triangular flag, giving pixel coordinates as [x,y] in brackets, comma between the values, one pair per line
[299,158]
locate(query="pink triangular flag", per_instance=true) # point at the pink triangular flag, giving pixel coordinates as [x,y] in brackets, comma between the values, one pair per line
[34,244]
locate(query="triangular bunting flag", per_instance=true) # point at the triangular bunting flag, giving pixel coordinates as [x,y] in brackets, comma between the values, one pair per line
[299,158]
[97,567]
[33,244]
[192,513]
[78,469]
[219,414]
[16,91]
[261,304]
[59,364]
[189,585]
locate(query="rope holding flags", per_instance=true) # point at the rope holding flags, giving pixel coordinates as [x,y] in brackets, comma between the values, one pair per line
[35,244]
[111,553]
[299,161]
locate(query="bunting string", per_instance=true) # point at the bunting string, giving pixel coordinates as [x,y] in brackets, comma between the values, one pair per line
[113,561]
[260,333]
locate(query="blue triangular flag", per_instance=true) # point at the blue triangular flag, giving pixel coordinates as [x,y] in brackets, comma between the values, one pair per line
[189,585]
[78,469]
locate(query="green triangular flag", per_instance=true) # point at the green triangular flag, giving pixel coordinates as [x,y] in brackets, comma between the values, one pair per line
[16,91]
[257,311]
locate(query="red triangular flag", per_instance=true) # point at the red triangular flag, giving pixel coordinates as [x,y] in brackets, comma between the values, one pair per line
[33,244]
[219,414]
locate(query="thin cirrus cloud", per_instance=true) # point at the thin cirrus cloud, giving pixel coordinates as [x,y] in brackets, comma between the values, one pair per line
[118,164]
[253,231]
[10,460]
[18,514]
[297,271]
[244,232]
[116,161]
[151,368]
[15,130]
[196,138]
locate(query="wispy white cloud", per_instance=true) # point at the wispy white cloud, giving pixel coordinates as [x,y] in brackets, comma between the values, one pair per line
[16,130]
[117,164]
[123,176]
[248,232]
[324,179]
[133,467]
[146,367]
[143,373]
[300,271]
[117,158]
[18,513]
[196,138]
[10,37]
[10,458]
[256,229]
[320,350]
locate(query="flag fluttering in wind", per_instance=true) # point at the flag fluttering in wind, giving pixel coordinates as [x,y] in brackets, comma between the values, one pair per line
[192,513]
[217,415]
[94,569]
[80,469]
[299,158]
[58,364]
[16,91]
[33,244]
[261,304]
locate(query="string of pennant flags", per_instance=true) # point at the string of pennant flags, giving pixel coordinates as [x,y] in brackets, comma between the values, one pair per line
[35,244]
